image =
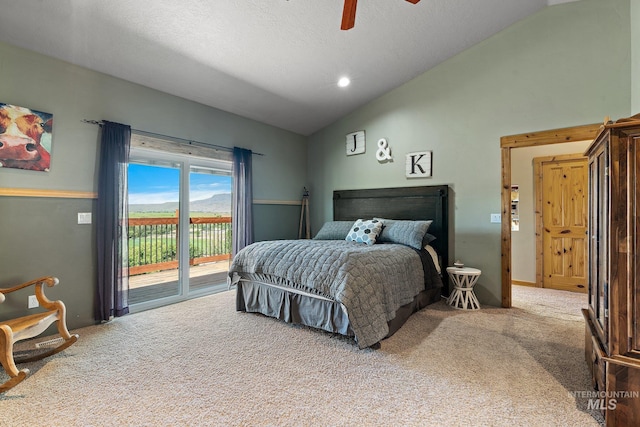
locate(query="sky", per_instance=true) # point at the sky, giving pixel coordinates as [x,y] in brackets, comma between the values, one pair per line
[157,184]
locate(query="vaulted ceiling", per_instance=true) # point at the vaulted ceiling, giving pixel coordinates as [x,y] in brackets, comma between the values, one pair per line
[274,61]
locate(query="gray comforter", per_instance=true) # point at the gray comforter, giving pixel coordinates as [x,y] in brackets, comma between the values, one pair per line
[372,282]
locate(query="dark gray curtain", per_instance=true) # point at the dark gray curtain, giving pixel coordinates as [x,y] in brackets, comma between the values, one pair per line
[111,222]
[242,222]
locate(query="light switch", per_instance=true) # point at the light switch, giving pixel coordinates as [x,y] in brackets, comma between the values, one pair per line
[495,218]
[84,217]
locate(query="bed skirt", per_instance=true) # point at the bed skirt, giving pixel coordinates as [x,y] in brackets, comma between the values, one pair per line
[297,307]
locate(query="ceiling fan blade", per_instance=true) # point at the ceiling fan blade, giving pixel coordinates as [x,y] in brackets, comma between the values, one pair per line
[349,14]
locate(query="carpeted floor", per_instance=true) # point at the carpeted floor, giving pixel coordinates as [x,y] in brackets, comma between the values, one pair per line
[201,363]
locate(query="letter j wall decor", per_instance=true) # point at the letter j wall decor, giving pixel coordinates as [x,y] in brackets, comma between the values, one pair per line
[25,138]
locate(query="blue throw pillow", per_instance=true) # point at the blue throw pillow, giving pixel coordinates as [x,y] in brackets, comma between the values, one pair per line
[334,230]
[404,232]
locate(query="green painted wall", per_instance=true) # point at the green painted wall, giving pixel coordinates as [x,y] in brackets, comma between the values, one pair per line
[40,236]
[72,93]
[567,65]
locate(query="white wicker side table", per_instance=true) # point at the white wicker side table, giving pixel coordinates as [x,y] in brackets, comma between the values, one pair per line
[463,279]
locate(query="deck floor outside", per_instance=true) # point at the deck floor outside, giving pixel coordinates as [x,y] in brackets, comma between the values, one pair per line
[150,286]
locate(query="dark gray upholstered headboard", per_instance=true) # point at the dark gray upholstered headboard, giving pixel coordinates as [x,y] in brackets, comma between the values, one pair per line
[409,203]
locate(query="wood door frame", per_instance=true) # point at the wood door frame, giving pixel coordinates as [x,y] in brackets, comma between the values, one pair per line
[531,139]
[537,175]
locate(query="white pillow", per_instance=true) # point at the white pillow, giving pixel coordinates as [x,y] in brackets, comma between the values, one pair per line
[434,256]
[365,231]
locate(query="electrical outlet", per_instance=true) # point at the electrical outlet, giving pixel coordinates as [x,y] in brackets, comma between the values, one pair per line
[33,302]
[495,218]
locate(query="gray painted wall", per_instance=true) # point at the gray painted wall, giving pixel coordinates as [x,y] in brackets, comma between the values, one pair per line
[40,236]
[567,65]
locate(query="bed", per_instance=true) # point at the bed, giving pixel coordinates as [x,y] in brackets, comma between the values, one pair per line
[362,291]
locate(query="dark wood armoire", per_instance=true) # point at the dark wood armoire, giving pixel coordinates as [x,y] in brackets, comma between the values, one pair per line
[612,338]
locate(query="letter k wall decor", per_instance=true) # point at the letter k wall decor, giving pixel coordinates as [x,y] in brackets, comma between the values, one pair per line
[419,164]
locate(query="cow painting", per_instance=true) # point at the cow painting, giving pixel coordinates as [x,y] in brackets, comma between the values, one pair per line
[25,138]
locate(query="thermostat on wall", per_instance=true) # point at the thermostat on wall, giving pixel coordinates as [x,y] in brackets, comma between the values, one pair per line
[84,217]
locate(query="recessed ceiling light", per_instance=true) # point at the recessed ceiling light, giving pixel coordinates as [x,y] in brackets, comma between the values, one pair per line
[344,82]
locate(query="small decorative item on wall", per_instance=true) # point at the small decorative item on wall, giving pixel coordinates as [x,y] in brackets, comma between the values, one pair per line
[356,143]
[419,164]
[25,138]
[515,215]
[383,154]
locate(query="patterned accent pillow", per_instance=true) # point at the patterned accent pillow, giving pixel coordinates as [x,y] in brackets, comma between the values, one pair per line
[408,233]
[334,230]
[365,231]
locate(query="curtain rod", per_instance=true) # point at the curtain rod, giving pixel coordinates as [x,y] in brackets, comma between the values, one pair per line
[183,140]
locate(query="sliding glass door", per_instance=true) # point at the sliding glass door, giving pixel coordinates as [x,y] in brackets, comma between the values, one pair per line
[179,227]
[154,219]
[209,226]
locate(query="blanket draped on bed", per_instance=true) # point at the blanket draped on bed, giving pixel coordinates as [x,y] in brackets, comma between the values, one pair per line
[372,282]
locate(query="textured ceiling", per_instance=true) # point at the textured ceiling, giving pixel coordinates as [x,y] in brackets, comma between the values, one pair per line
[275,61]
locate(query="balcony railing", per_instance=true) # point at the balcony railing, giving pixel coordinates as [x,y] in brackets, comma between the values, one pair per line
[153,242]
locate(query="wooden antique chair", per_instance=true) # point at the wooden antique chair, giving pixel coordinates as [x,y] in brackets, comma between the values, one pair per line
[22,328]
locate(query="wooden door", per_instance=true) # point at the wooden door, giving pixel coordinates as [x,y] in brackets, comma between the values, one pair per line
[563,196]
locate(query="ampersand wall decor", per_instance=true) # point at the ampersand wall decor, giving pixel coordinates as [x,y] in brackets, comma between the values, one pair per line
[383,154]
